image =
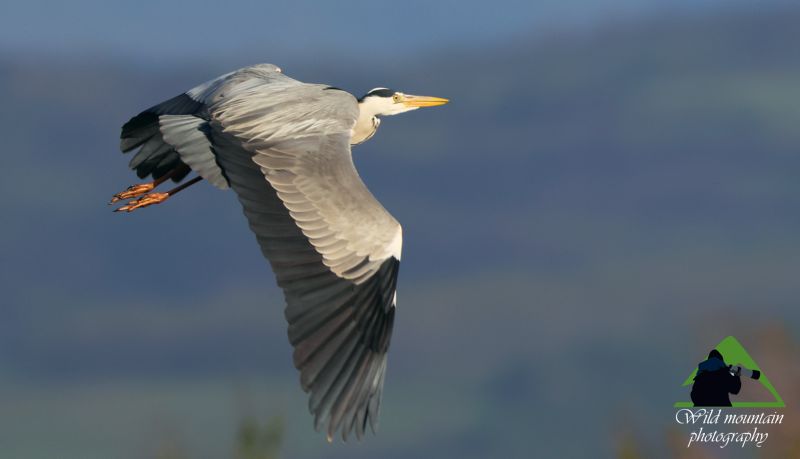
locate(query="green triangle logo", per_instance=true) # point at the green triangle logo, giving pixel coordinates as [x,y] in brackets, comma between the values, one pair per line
[736,354]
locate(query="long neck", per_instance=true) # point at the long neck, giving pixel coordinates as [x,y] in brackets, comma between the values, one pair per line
[365,128]
[367,122]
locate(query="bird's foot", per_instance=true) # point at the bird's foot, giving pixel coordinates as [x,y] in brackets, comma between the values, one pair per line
[144,201]
[133,191]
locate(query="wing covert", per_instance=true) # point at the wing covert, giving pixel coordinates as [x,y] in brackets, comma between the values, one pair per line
[299,136]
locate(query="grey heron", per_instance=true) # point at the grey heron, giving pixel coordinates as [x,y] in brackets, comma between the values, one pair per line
[283,146]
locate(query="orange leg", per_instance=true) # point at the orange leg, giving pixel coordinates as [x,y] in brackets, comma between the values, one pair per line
[134,191]
[155,198]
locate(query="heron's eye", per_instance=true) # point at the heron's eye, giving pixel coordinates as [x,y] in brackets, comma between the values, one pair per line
[396,98]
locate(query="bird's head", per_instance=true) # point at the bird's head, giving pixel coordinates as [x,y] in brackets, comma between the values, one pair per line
[384,102]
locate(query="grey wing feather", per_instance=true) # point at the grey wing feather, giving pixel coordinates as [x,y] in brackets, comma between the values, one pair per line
[187,134]
[299,135]
[155,157]
[174,132]
[284,148]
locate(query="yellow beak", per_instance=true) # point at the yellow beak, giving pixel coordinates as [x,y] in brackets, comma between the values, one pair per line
[422,101]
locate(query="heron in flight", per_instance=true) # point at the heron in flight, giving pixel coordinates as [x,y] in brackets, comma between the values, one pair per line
[283,146]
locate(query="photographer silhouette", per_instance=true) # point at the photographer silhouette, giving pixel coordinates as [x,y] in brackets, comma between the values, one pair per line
[714,381]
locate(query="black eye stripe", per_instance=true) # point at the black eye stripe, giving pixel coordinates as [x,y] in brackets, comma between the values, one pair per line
[381,93]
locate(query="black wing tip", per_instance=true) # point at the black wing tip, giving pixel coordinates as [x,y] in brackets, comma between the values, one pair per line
[357,420]
[138,126]
[344,345]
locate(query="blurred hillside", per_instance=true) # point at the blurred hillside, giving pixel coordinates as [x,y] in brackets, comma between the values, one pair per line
[591,209]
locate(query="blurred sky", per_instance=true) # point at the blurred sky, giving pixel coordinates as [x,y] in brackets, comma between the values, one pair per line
[612,190]
[191,29]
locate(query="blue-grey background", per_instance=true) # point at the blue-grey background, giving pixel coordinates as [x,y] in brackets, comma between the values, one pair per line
[613,190]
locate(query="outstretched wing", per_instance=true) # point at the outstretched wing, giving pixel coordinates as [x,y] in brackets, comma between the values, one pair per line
[284,148]
[173,137]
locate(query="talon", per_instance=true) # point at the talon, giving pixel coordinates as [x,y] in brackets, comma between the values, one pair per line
[133,191]
[144,201]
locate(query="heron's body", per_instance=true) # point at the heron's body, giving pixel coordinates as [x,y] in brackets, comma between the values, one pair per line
[284,147]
